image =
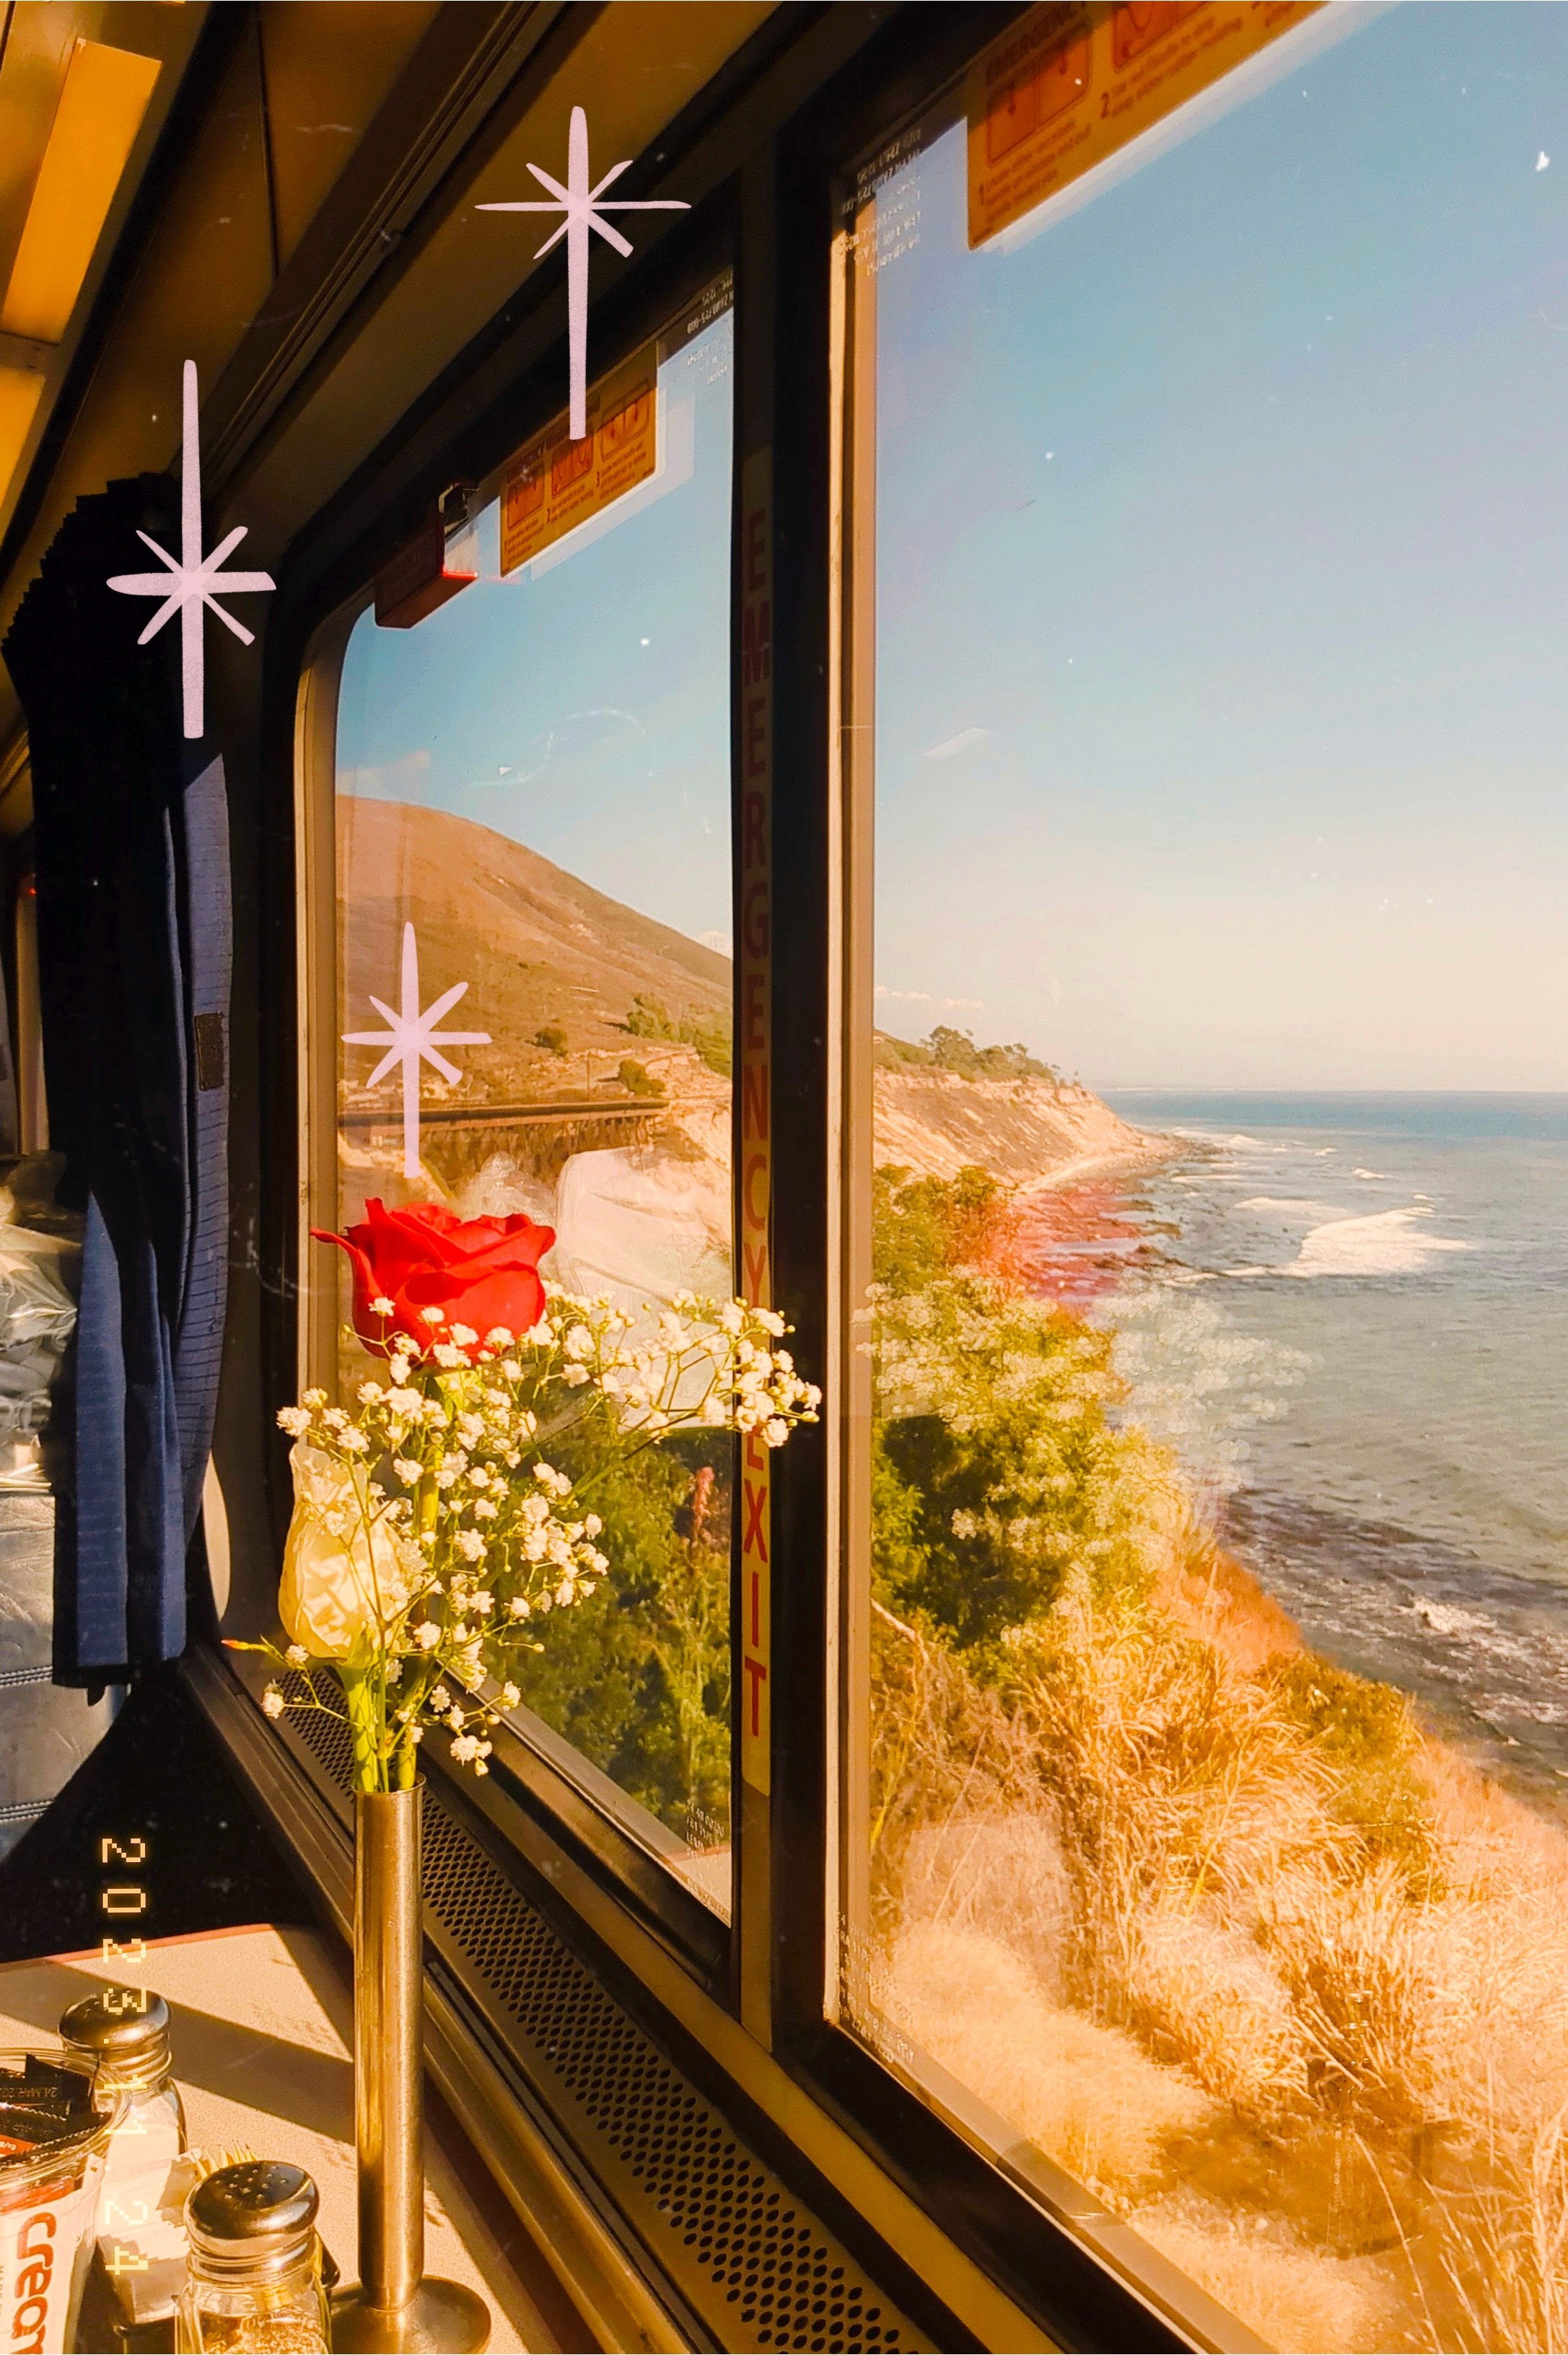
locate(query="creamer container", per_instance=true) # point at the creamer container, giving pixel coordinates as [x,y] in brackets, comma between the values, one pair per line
[254,2286]
[52,2141]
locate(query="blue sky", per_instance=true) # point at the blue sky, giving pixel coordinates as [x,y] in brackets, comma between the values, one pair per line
[583,711]
[1224,568]
[1222,603]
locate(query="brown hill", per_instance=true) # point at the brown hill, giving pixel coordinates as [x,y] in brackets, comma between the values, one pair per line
[539,949]
[544,952]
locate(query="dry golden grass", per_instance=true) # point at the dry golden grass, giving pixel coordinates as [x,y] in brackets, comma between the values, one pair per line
[1000,1874]
[1498,2276]
[1084,2094]
[1127,1900]
[1291,2294]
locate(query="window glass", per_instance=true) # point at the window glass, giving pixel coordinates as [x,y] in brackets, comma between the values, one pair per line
[1213,1174]
[533,808]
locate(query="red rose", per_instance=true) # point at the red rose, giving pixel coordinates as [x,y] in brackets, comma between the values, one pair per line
[478,1272]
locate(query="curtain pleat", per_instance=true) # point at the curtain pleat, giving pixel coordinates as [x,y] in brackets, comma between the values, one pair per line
[134,953]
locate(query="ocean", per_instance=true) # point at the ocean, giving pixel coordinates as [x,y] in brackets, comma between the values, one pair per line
[1348,1315]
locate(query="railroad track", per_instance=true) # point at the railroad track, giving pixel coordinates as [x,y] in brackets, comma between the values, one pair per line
[529,1115]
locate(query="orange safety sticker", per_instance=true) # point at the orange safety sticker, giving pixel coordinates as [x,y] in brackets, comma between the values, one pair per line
[1071,83]
[754,974]
[553,484]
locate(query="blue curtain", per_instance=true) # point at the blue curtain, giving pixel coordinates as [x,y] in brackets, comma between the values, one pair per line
[134,951]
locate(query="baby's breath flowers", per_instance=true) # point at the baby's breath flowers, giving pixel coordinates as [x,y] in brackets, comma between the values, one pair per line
[432,1535]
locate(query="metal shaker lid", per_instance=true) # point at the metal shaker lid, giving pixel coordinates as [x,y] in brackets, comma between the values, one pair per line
[263,2209]
[126,2030]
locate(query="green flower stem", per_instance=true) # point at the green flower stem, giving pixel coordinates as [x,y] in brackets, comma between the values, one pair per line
[365,1729]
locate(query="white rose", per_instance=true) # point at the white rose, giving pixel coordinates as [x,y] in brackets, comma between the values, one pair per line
[346,1574]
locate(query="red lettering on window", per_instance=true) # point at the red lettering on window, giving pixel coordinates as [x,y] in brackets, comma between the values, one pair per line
[756,1259]
[755,1190]
[754,1102]
[756,1607]
[759,1677]
[754,918]
[753,834]
[756,1010]
[756,552]
[756,642]
[755,734]
[755,1536]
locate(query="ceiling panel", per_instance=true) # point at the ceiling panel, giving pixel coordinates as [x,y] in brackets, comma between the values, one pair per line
[328,68]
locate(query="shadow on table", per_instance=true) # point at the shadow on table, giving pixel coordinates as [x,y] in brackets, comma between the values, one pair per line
[285,2080]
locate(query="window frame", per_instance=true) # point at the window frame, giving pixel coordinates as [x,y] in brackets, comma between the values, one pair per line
[567,1806]
[1012,2217]
[1087,2277]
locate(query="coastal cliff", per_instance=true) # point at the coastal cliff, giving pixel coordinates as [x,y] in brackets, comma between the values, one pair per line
[1026,1132]
[575,988]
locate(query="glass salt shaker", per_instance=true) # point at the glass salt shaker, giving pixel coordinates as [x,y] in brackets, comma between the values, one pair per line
[254,2286]
[124,2031]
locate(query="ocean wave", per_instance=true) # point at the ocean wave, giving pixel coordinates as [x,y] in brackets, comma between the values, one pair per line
[1387,1243]
[1368,1173]
[1240,1142]
[1448,1619]
[1302,1210]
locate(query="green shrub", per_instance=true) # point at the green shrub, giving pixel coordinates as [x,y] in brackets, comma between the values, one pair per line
[926,1228]
[997,1468]
[648,1019]
[637,1677]
[955,1050]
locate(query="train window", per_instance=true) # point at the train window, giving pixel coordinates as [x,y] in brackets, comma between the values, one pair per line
[533,862]
[1207,1514]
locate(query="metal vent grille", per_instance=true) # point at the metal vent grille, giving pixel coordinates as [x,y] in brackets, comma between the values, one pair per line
[758,2269]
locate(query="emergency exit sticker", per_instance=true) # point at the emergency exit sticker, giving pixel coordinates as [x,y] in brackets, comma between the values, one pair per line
[554,483]
[754,950]
[1071,84]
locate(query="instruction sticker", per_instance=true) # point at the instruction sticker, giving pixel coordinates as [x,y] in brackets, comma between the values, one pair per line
[555,484]
[1071,84]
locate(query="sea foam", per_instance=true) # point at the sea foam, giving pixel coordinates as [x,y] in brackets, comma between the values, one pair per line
[1386,1244]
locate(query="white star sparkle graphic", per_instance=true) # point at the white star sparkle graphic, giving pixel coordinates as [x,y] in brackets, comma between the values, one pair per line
[412,1039]
[580,204]
[187,585]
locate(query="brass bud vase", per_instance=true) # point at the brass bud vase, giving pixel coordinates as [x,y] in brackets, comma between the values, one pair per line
[396,2308]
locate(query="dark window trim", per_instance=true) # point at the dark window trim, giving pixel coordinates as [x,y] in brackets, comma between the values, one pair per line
[1087,2278]
[565,1800]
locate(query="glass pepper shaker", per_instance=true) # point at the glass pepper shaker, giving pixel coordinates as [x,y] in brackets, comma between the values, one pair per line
[254,2286]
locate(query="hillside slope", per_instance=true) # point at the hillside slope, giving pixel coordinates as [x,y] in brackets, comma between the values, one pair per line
[1027,1132]
[542,951]
[538,948]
